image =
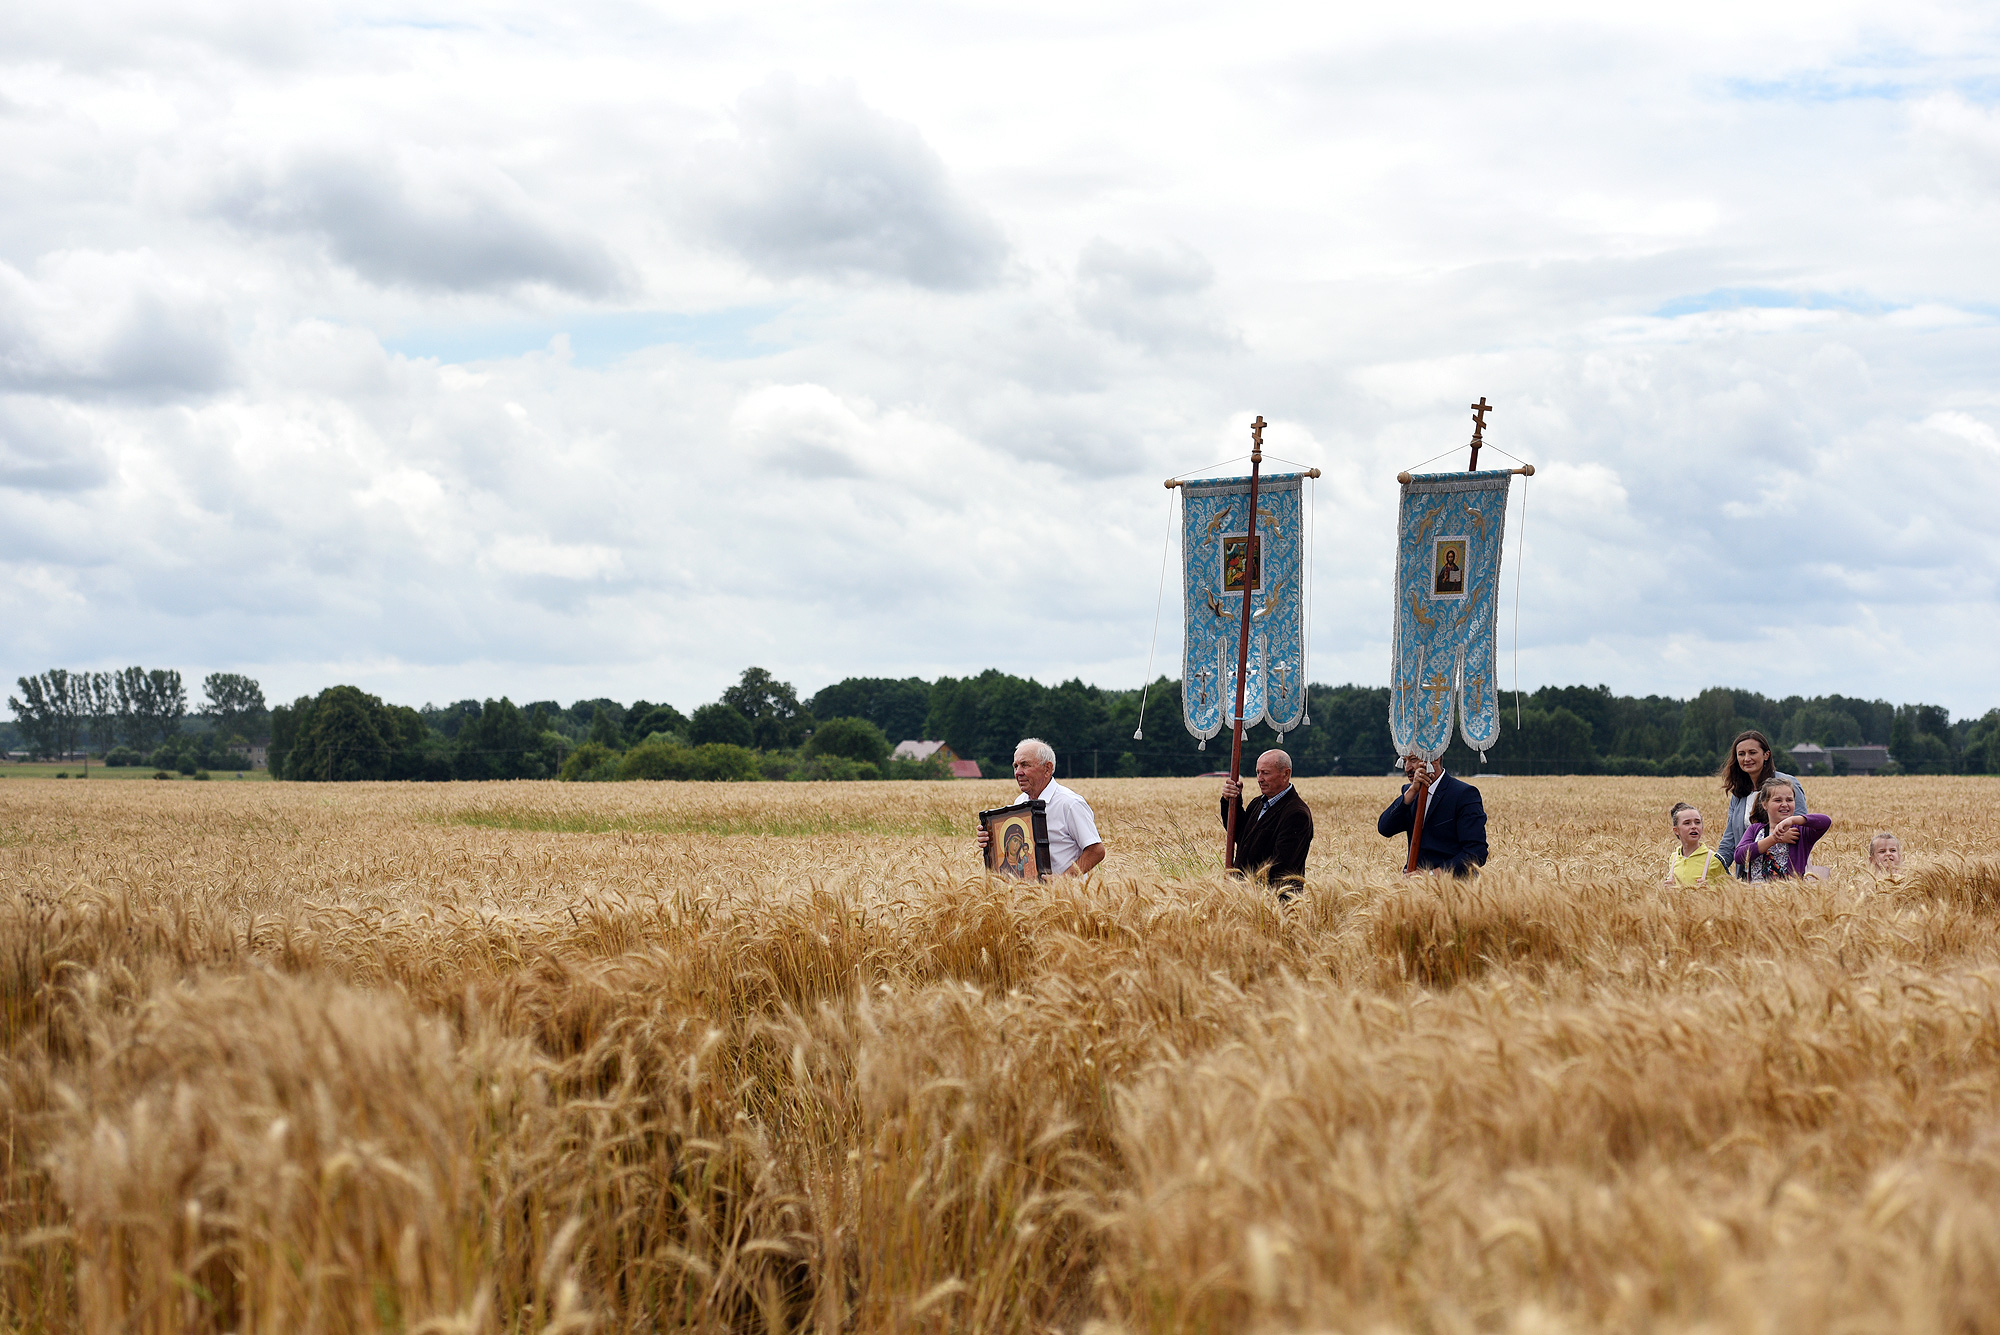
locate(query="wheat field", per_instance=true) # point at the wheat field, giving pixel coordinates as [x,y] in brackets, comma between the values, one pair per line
[770,1057]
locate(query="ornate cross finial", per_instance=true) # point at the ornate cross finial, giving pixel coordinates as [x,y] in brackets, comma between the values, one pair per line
[1257,437]
[1479,411]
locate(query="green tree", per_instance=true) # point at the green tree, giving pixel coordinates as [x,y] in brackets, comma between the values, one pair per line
[1548,741]
[1920,740]
[50,711]
[592,762]
[234,703]
[1068,718]
[657,758]
[417,752]
[501,743]
[718,762]
[853,739]
[1982,745]
[899,706]
[720,723]
[99,699]
[448,719]
[983,717]
[643,720]
[771,707]
[1822,724]
[1595,705]
[1709,723]
[345,734]
[339,738]
[604,730]
[151,705]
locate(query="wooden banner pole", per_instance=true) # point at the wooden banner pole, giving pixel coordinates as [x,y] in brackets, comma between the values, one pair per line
[1253,564]
[1423,783]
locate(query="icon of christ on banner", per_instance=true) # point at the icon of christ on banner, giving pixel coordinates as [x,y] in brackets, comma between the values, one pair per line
[1450,579]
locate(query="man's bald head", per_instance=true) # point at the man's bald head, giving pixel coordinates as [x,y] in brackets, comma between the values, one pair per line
[1274,772]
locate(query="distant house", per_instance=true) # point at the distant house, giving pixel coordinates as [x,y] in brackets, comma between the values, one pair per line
[1812,758]
[1859,759]
[920,751]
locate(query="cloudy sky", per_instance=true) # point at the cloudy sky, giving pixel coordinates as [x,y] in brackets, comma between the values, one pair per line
[607,348]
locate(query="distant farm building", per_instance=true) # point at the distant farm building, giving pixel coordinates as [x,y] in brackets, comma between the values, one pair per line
[920,751]
[1859,759]
[1812,758]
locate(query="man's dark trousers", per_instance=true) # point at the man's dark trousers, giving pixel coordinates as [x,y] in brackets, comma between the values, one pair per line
[1454,826]
[1275,836]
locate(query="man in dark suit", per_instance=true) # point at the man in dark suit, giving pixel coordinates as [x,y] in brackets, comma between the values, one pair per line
[1454,819]
[1276,830]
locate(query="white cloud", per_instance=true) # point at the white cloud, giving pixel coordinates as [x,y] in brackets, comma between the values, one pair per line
[399,213]
[539,556]
[85,323]
[1728,274]
[1157,297]
[817,183]
[1965,427]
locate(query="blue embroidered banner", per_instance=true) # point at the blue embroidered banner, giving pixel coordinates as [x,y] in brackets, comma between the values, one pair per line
[1217,562]
[1447,586]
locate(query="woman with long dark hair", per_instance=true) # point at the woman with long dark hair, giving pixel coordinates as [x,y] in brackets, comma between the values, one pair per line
[1748,766]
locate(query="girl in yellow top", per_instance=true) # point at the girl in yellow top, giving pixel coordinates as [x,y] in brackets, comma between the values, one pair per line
[1691,864]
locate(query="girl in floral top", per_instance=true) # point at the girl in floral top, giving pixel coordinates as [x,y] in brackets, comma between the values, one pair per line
[1780,839]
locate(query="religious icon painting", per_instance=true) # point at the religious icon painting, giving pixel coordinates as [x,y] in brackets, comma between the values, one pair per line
[1017,845]
[1448,567]
[1241,555]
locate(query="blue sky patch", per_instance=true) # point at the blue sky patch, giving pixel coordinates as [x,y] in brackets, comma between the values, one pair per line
[734,334]
[1739,298]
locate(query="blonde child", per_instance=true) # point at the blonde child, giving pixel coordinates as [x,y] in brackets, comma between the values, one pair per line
[1691,864]
[1885,854]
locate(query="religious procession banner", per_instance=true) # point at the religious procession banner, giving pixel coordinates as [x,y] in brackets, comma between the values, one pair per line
[1447,586]
[1220,567]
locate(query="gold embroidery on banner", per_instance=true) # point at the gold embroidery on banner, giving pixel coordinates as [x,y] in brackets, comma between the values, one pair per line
[1417,611]
[1437,684]
[1471,606]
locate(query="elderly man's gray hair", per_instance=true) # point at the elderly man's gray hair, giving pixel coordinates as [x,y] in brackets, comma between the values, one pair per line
[1043,753]
[1275,754]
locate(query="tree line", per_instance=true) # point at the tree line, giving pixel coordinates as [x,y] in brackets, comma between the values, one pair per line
[138,715]
[760,728]
[757,730]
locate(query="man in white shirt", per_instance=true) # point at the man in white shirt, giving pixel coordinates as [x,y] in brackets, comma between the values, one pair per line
[1074,845]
